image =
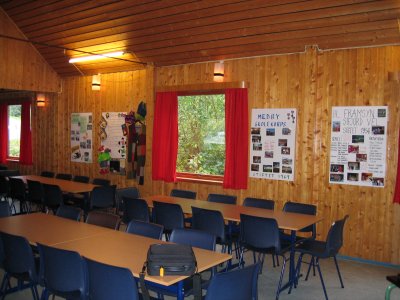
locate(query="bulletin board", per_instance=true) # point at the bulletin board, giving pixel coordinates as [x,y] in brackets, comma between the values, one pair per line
[273,143]
[81,137]
[358,145]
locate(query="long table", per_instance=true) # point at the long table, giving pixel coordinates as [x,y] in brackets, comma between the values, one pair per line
[100,244]
[286,221]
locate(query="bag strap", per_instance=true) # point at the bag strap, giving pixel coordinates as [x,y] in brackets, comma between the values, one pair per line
[145,291]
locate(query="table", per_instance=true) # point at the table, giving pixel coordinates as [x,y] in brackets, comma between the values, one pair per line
[100,244]
[287,221]
[67,186]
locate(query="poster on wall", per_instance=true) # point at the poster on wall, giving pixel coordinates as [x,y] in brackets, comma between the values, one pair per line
[81,137]
[358,145]
[273,143]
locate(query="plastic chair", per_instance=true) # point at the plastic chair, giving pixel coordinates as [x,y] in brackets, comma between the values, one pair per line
[64,176]
[130,192]
[219,198]
[259,203]
[36,193]
[102,197]
[47,174]
[64,273]
[18,192]
[103,219]
[262,236]
[53,197]
[323,249]
[168,215]
[101,181]
[238,284]
[79,178]
[19,263]
[69,212]
[135,209]
[5,209]
[151,230]
[302,208]
[4,188]
[109,282]
[183,194]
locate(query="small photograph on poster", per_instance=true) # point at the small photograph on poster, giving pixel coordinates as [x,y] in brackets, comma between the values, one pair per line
[336,177]
[378,130]
[256,138]
[356,139]
[337,168]
[352,176]
[255,167]
[267,168]
[257,146]
[353,166]
[378,181]
[270,131]
[287,161]
[361,157]
[381,113]
[276,167]
[336,126]
[255,130]
[366,176]
[286,131]
[282,142]
[353,148]
[269,154]
[285,150]
[287,169]
[256,159]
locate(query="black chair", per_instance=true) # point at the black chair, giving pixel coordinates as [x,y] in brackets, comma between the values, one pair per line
[64,273]
[135,209]
[47,174]
[183,194]
[323,249]
[5,209]
[80,199]
[109,282]
[101,181]
[64,176]
[102,197]
[69,212]
[220,198]
[80,178]
[18,193]
[151,230]
[19,263]
[130,192]
[103,219]
[302,208]
[53,197]
[36,194]
[4,188]
[259,203]
[237,284]
[168,215]
[262,236]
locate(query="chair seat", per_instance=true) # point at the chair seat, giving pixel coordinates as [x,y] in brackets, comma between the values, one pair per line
[395,279]
[314,248]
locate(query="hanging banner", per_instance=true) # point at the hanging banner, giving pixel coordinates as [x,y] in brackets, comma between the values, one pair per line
[81,137]
[114,136]
[273,145]
[358,145]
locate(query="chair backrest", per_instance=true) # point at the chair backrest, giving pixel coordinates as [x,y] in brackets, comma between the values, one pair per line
[238,284]
[135,209]
[194,238]
[17,188]
[183,194]
[47,174]
[101,181]
[18,256]
[103,219]
[220,198]
[35,191]
[4,186]
[150,230]
[64,176]
[103,196]
[64,272]
[131,192]
[168,214]
[110,282]
[210,221]
[302,208]
[80,178]
[258,232]
[334,240]
[69,212]
[5,209]
[3,168]
[259,203]
[53,196]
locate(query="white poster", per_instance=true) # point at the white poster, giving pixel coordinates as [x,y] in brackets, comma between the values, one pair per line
[114,137]
[358,145]
[81,137]
[273,143]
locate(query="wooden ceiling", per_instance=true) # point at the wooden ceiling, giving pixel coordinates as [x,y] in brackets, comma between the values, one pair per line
[172,32]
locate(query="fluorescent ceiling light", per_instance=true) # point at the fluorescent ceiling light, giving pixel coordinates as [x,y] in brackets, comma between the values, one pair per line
[96,56]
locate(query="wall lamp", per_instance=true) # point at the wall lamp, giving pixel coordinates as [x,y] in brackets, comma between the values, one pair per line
[219,71]
[95,57]
[40,100]
[96,82]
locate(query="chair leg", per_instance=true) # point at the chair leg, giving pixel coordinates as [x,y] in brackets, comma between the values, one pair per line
[3,287]
[338,271]
[322,280]
[281,278]
[312,263]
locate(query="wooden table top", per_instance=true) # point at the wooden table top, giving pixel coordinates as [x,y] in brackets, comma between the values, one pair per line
[289,221]
[65,185]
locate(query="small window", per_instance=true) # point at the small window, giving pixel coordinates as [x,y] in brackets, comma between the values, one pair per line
[14,130]
[201,125]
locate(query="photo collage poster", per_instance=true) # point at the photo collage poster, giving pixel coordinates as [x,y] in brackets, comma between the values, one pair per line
[81,137]
[358,145]
[273,143]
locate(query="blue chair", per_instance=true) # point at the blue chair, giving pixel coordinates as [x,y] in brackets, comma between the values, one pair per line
[130,192]
[103,219]
[262,236]
[151,230]
[168,215]
[47,174]
[36,194]
[237,284]
[101,181]
[78,200]
[303,208]
[53,197]
[183,194]
[80,178]
[18,193]
[322,250]
[135,209]
[259,203]
[102,197]
[5,209]
[64,273]
[64,176]
[19,263]
[109,282]
[220,198]
[69,212]
[4,188]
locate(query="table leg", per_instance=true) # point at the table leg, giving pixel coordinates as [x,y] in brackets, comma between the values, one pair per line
[180,293]
[292,275]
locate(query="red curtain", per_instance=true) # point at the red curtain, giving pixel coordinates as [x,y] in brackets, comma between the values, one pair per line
[236,138]
[25,154]
[165,137]
[3,133]
[396,198]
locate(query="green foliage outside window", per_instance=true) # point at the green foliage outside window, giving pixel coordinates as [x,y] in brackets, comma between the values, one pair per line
[201,120]
[14,127]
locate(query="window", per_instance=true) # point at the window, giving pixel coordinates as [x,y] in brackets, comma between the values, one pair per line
[201,126]
[14,130]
